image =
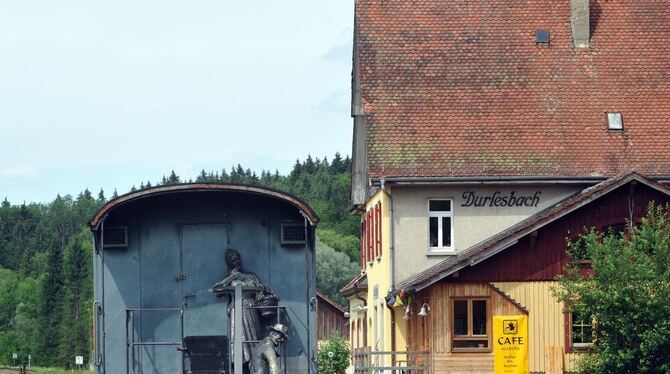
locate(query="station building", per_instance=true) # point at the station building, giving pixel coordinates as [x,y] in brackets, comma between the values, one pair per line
[487,135]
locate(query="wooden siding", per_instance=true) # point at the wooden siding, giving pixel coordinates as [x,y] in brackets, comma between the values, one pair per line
[546,328]
[330,320]
[433,331]
[542,256]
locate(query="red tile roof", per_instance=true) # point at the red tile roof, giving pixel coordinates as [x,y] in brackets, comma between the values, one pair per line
[460,88]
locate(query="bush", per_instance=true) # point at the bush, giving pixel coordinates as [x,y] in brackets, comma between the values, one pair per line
[333,356]
[628,297]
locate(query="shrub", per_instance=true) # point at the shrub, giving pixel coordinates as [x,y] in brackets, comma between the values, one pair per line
[627,296]
[333,356]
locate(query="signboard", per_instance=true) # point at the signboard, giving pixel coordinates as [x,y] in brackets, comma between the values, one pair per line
[499,199]
[79,360]
[15,356]
[510,344]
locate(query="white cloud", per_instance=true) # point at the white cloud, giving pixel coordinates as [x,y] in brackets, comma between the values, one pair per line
[20,173]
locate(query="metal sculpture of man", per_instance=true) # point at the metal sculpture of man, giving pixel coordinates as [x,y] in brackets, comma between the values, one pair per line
[266,354]
[254,290]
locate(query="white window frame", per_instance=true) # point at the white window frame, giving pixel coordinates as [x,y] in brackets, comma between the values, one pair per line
[580,324]
[440,215]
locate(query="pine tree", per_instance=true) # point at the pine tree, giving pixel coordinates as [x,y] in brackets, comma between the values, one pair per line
[50,309]
[337,165]
[346,167]
[309,166]
[74,329]
[203,177]
[297,170]
[173,178]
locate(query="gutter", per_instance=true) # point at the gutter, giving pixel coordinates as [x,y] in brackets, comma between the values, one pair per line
[378,181]
[392,260]
[539,179]
[391,233]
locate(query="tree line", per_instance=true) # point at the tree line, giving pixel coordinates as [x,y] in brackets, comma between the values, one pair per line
[46,281]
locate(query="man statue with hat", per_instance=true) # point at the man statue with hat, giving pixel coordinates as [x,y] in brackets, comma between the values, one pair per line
[251,319]
[265,359]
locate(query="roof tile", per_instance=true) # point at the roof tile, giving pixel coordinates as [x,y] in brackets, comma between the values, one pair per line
[460,88]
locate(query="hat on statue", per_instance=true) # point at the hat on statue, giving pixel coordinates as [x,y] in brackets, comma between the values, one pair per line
[280,329]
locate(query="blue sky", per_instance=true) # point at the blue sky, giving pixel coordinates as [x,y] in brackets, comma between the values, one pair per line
[108,94]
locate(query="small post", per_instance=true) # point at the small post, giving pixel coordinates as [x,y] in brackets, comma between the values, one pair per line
[239,330]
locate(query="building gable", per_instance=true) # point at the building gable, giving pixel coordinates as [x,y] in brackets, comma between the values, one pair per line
[535,249]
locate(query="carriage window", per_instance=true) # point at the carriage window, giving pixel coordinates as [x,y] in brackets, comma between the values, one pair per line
[293,233]
[115,237]
[470,323]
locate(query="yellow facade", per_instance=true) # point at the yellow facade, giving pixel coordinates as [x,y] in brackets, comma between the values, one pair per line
[380,318]
[378,271]
[379,281]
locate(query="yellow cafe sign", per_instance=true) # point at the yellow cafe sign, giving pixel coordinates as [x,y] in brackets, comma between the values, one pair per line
[510,344]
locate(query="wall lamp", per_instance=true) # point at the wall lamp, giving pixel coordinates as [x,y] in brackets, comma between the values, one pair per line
[425,308]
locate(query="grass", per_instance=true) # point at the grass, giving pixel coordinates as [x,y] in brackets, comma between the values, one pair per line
[58,371]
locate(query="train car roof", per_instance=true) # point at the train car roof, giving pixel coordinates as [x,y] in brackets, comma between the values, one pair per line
[203,187]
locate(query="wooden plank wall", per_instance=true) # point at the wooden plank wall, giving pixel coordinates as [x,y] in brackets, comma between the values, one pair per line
[545,322]
[330,320]
[436,326]
[543,256]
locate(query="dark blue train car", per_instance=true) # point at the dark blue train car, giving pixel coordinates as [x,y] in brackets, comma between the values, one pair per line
[159,253]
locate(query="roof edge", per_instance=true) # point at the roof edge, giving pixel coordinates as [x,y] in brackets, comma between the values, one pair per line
[488,248]
[330,301]
[488,179]
[305,209]
[508,297]
[352,287]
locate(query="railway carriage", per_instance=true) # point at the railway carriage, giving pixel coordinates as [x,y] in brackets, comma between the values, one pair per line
[160,252]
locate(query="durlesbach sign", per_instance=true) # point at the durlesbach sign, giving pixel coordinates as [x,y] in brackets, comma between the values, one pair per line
[498,199]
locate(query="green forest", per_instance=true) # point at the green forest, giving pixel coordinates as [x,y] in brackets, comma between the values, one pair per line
[46,283]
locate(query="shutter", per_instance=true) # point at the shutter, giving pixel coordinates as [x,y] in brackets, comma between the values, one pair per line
[362,245]
[379,218]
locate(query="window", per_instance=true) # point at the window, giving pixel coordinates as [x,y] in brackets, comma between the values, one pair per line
[293,233]
[581,331]
[542,37]
[470,321]
[614,121]
[440,225]
[115,237]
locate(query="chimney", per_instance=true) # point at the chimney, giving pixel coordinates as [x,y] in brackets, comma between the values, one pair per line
[579,18]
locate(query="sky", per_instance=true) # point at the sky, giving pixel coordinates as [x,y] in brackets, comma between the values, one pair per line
[108,94]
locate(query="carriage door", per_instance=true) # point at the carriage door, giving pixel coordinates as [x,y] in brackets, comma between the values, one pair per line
[203,249]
